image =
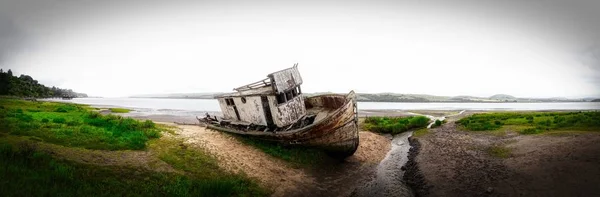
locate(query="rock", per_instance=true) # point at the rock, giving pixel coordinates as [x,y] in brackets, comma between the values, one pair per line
[490,190]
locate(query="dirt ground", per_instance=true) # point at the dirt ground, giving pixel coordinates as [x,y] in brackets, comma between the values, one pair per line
[458,163]
[283,179]
[451,162]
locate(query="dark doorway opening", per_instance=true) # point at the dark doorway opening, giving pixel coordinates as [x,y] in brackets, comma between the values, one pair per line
[267,109]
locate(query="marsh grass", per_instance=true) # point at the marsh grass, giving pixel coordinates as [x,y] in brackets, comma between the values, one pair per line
[119,110]
[533,122]
[26,171]
[198,164]
[421,132]
[438,123]
[394,125]
[74,125]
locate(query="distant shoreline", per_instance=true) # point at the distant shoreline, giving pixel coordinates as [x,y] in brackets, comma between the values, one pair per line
[383,101]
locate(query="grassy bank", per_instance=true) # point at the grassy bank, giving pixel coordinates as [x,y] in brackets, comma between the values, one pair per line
[27,171]
[28,167]
[421,132]
[74,125]
[533,122]
[394,125]
[119,110]
[438,123]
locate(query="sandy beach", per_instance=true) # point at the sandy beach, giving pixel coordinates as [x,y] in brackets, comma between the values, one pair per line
[331,179]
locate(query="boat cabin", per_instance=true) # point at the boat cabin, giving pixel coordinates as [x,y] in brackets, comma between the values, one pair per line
[276,101]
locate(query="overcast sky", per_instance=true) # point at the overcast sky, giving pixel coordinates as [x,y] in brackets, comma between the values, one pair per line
[122,47]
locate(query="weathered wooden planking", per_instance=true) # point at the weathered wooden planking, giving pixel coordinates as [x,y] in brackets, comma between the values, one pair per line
[286,79]
[337,133]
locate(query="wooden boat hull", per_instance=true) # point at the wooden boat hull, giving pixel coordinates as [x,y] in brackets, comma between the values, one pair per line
[337,133]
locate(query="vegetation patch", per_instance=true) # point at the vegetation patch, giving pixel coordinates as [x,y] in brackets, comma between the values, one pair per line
[74,125]
[198,164]
[421,132]
[533,122]
[394,125]
[298,156]
[26,171]
[119,110]
[499,151]
[25,86]
[438,123]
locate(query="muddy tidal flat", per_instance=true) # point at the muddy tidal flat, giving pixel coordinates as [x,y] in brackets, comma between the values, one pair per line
[454,162]
[444,161]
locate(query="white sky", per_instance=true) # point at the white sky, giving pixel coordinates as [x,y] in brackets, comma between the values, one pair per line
[112,48]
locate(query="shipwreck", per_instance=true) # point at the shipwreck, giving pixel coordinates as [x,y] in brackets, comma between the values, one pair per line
[274,109]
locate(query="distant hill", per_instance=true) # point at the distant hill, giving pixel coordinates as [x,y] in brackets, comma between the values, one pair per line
[394,97]
[502,97]
[26,86]
[596,100]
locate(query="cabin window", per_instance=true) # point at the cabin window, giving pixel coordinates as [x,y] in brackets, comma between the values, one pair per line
[288,95]
[229,101]
[281,98]
[243,99]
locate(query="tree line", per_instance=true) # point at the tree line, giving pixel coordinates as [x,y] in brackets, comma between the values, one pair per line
[26,86]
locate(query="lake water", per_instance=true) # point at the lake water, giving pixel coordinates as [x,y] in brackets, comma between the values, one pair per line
[193,107]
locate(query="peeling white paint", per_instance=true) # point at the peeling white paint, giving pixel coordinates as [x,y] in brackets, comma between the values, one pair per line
[251,111]
[287,113]
[228,112]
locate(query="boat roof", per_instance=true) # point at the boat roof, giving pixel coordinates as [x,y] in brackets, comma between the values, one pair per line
[276,82]
[265,90]
[286,79]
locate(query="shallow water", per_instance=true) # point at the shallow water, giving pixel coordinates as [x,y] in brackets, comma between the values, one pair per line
[389,178]
[481,106]
[197,107]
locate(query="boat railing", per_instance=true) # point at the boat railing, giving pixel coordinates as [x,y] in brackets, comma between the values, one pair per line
[258,84]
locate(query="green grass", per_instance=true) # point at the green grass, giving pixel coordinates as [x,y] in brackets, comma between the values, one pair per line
[499,151]
[394,125]
[297,156]
[198,164]
[438,123]
[421,132]
[119,110]
[74,125]
[26,171]
[533,122]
